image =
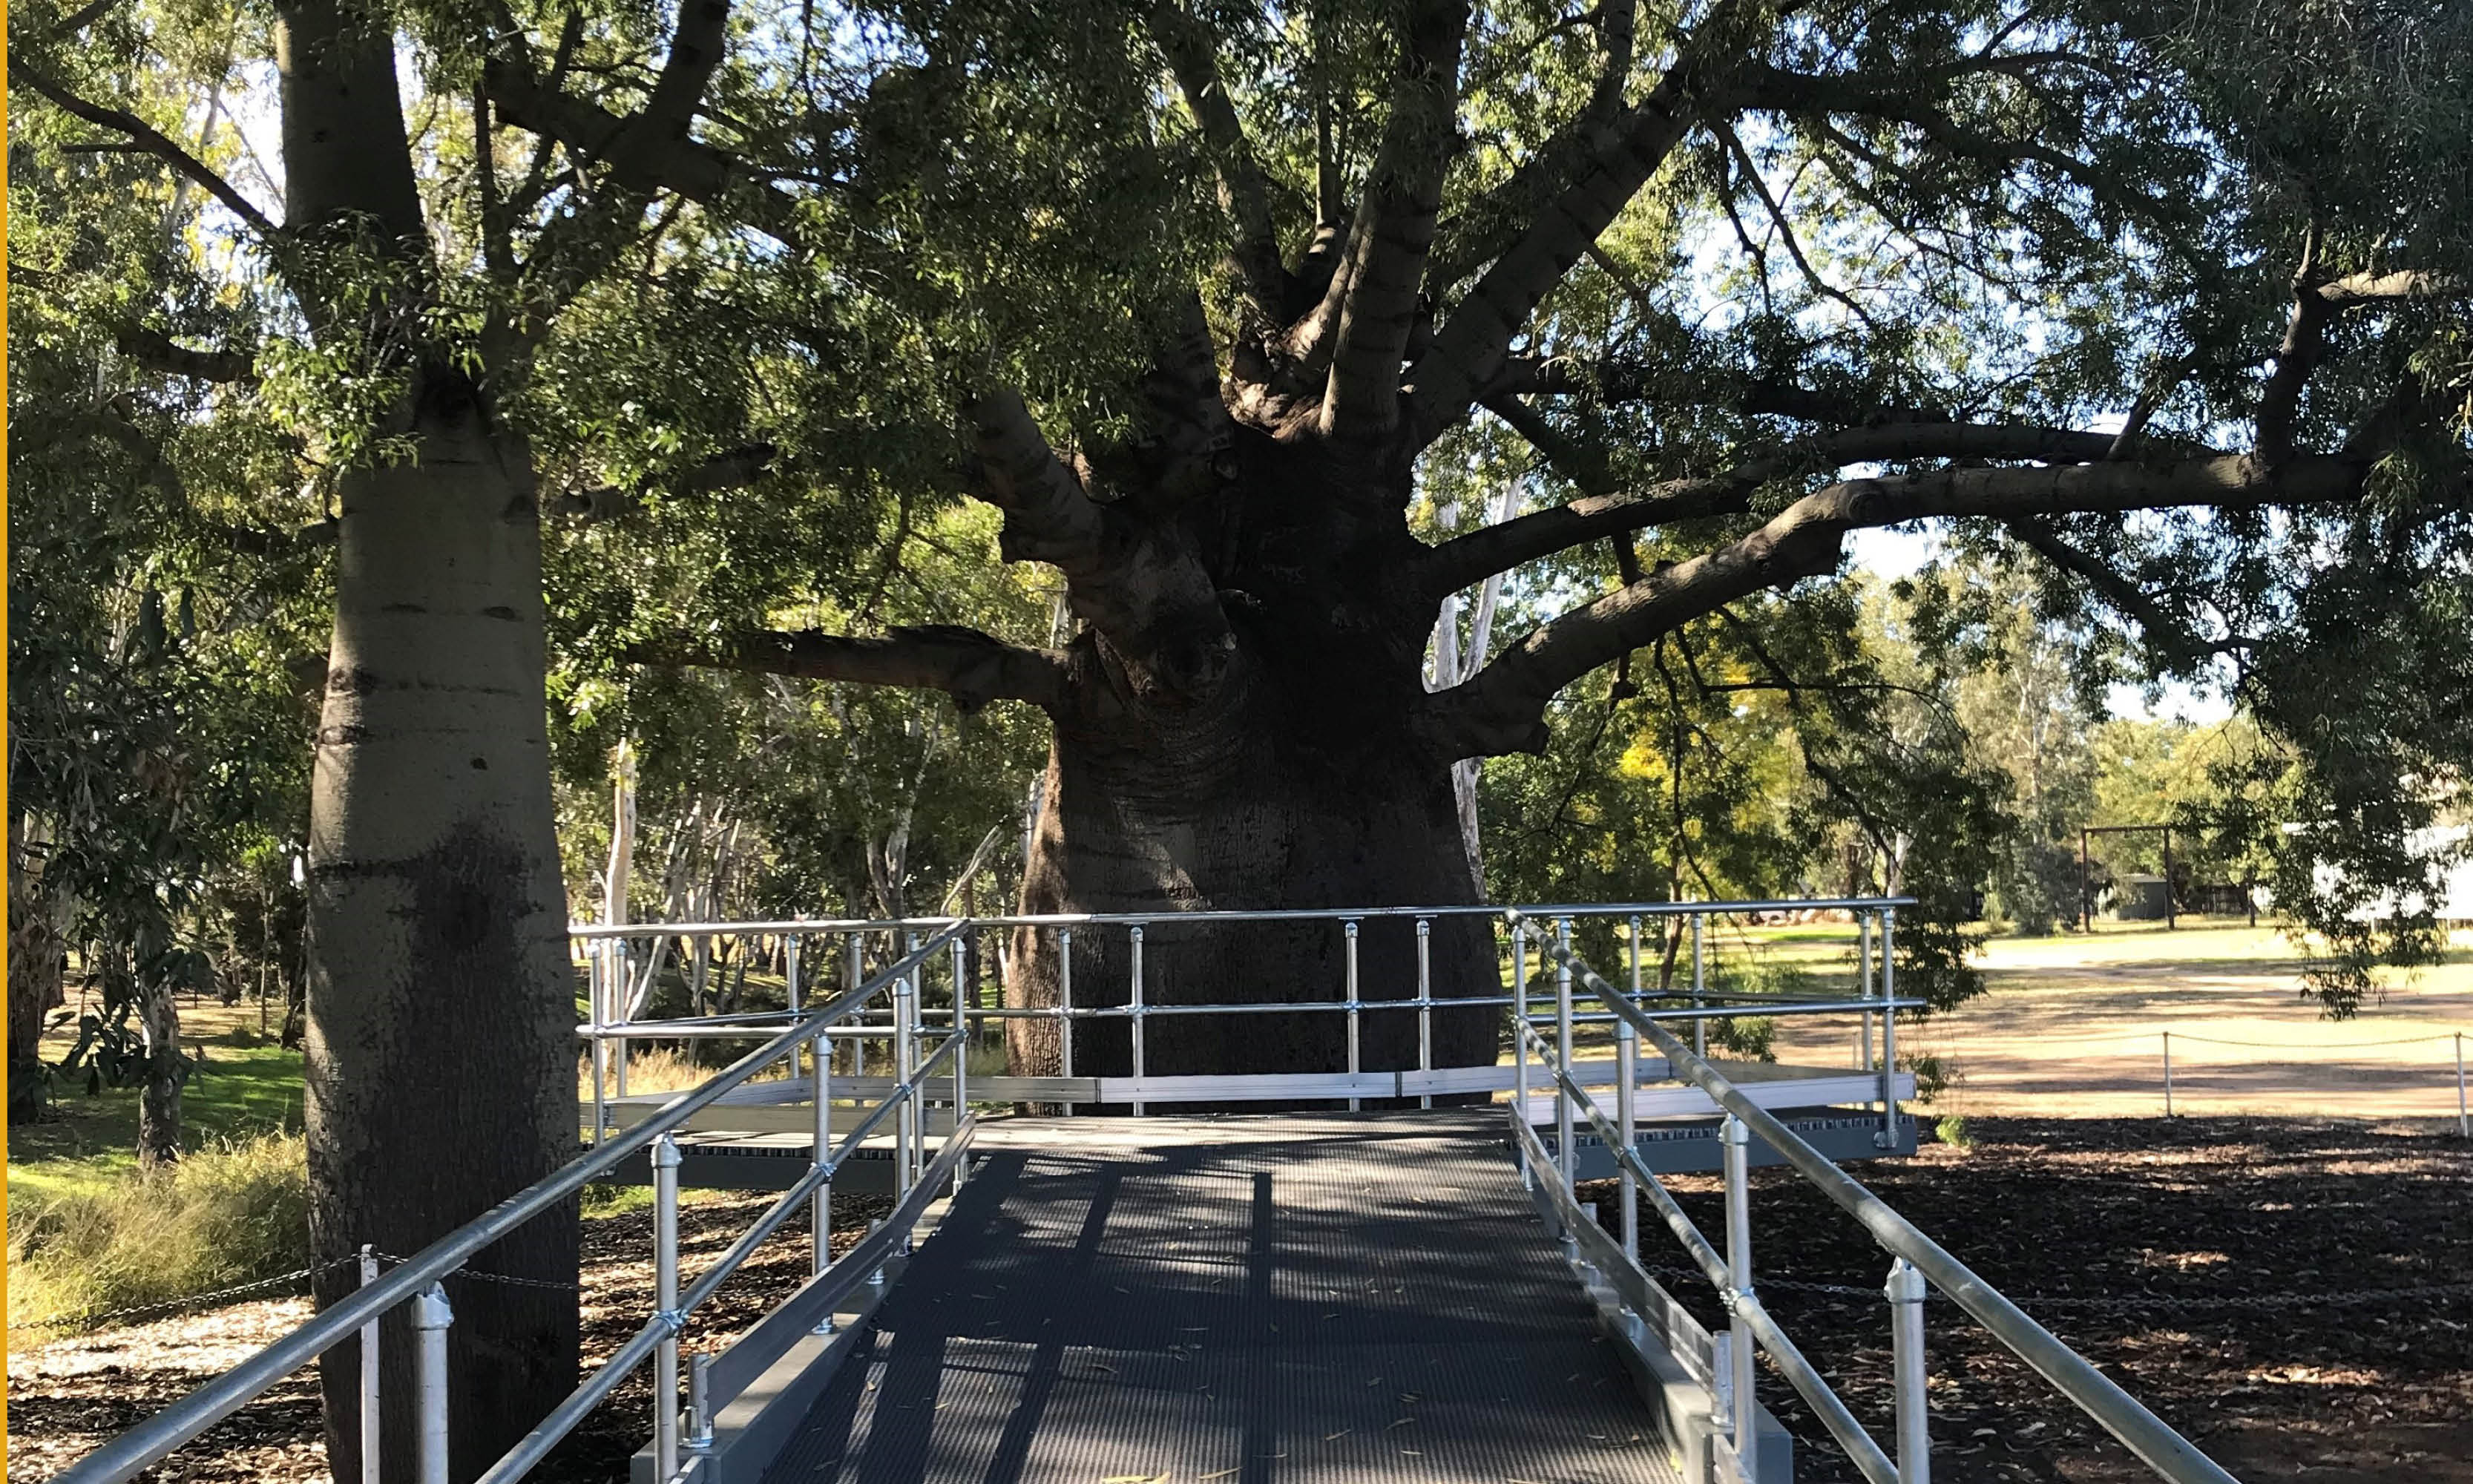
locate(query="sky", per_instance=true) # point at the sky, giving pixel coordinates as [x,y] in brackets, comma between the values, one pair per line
[1890,554]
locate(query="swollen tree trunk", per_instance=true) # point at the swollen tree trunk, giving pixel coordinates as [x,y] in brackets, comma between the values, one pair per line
[1271,765]
[441,1051]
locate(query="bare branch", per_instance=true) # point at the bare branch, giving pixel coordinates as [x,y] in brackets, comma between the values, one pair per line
[974,668]
[1187,44]
[154,141]
[2164,631]
[1379,282]
[1502,708]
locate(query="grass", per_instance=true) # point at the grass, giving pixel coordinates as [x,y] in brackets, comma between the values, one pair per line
[231,1212]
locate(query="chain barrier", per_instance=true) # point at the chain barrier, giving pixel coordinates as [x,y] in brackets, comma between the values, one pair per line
[2141,1303]
[97,1318]
[508,1279]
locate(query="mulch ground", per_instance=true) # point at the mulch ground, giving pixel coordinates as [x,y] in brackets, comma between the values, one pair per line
[2165,1220]
[2127,1237]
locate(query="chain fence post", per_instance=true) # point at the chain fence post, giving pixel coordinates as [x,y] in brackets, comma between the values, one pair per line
[1906,1292]
[370,1402]
[431,1318]
[2464,1121]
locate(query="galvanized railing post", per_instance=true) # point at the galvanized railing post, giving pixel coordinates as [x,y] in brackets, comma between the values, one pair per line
[2167,1074]
[431,1319]
[626,983]
[665,1308]
[819,1206]
[1627,1083]
[1888,1137]
[1348,933]
[1906,1290]
[1520,1041]
[597,996]
[1135,1003]
[699,1438]
[790,984]
[1699,989]
[1863,986]
[1563,1151]
[1065,1007]
[1746,1412]
[369,1416]
[1424,1005]
[855,971]
[961,1055]
[905,1065]
[2463,1121]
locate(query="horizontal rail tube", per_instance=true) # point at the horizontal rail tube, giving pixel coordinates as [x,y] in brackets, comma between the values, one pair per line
[1078,919]
[151,1440]
[2115,1410]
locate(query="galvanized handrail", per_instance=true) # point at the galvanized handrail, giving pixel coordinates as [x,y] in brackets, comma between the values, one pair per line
[157,1436]
[2156,1444]
[611,1033]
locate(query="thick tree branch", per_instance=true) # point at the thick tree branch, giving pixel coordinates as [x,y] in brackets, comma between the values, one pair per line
[156,351]
[1502,708]
[974,668]
[1048,516]
[653,149]
[154,141]
[2357,289]
[1476,341]
[1187,44]
[2279,400]
[1457,562]
[734,470]
[1380,281]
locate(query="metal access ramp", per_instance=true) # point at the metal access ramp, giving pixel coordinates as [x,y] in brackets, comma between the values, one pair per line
[1194,1299]
[1331,1299]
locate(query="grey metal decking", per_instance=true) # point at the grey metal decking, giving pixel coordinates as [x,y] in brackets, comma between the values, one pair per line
[1249,1299]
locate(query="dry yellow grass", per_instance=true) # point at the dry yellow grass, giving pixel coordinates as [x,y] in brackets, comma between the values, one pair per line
[2075,1026]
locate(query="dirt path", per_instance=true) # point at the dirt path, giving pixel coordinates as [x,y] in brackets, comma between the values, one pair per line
[2074,1027]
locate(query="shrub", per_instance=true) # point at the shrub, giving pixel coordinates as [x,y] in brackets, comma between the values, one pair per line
[230,1213]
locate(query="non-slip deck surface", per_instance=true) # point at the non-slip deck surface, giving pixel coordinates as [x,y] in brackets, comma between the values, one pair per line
[1251,1300]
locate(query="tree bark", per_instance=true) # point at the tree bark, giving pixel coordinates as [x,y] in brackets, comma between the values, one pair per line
[441,1049]
[34,949]
[158,1096]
